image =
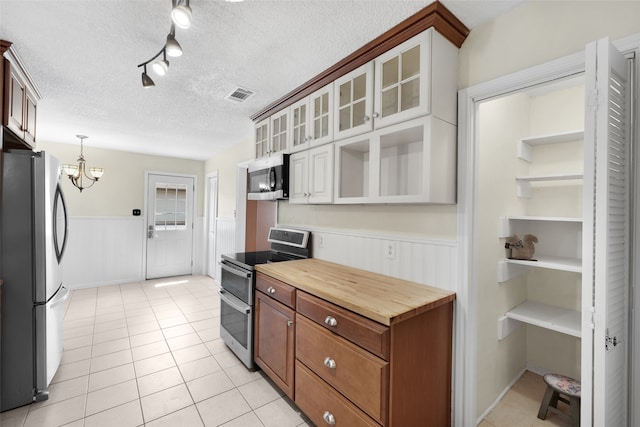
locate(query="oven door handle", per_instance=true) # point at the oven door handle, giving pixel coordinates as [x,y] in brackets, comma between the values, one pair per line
[237,272]
[233,305]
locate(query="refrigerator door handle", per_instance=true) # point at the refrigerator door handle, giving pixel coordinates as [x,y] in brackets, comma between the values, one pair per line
[61,297]
[59,203]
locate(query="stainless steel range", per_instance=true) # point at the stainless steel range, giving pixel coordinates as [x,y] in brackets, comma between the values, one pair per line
[238,287]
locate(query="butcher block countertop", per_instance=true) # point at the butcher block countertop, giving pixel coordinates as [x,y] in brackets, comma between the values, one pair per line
[384,299]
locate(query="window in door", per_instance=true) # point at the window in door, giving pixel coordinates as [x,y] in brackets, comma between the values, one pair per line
[171,207]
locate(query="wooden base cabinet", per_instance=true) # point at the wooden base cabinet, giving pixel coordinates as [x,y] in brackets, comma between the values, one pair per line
[343,368]
[274,333]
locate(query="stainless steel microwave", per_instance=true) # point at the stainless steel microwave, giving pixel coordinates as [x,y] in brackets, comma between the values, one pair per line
[269,178]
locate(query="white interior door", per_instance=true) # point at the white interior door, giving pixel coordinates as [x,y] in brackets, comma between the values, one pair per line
[170,202]
[606,280]
[212,213]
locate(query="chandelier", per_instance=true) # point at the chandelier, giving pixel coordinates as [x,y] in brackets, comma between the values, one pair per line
[78,173]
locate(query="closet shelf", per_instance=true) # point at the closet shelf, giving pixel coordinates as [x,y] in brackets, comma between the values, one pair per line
[553,263]
[557,319]
[525,144]
[523,183]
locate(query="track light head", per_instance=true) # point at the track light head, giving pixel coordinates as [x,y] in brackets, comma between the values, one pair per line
[172,47]
[161,66]
[181,14]
[146,80]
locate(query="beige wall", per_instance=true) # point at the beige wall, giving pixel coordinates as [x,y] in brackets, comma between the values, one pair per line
[121,189]
[225,164]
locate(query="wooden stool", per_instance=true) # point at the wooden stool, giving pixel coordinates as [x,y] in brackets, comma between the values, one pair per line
[558,385]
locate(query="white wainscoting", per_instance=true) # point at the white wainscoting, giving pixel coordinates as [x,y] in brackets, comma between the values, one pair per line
[111,250]
[428,261]
[103,251]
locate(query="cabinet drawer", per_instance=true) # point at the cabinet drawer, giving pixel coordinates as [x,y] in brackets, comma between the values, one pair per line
[323,405]
[366,333]
[359,375]
[277,290]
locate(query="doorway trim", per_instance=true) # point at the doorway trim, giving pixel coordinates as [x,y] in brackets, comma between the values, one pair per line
[207,208]
[465,391]
[465,388]
[146,207]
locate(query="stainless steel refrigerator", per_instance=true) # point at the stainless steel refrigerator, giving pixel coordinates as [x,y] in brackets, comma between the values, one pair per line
[33,237]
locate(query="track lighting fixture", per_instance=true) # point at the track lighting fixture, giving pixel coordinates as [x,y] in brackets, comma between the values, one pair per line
[181,14]
[146,80]
[162,66]
[173,47]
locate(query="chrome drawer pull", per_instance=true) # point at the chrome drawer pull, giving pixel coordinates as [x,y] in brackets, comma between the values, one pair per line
[329,418]
[271,290]
[329,363]
[331,321]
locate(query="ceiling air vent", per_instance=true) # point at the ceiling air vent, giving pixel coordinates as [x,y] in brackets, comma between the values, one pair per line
[239,94]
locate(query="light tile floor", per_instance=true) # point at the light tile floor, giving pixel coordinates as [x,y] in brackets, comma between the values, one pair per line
[519,406]
[149,353]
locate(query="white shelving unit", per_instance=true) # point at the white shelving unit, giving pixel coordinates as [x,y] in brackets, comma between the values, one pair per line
[545,316]
[559,245]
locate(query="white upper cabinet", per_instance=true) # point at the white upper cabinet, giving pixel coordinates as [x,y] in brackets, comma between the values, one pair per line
[280,132]
[263,141]
[410,162]
[353,101]
[311,120]
[311,175]
[416,78]
[322,114]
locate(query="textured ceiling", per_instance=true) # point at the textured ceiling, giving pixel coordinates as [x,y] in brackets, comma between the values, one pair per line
[83,57]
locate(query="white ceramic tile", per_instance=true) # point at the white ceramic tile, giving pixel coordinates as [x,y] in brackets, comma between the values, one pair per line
[141,317]
[111,360]
[176,331]
[159,381]
[140,328]
[199,368]
[149,350]
[217,346]
[201,325]
[72,370]
[78,332]
[240,375]
[209,334]
[199,315]
[224,407]
[108,325]
[154,364]
[14,417]
[64,390]
[172,321]
[57,414]
[189,354]
[183,341]
[146,338]
[111,376]
[76,354]
[227,359]
[249,419]
[126,415]
[107,347]
[109,335]
[210,385]
[259,392]
[77,342]
[110,397]
[279,413]
[187,417]
[165,402]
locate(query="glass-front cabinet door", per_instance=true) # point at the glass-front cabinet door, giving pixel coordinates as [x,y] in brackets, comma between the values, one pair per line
[321,104]
[404,77]
[262,138]
[279,131]
[402,85]
[353,102]
[300,135]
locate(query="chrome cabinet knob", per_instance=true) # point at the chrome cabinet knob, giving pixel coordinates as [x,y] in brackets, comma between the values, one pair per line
[329,418]
[329,363]
[376,115]
[331,321]
[271,290]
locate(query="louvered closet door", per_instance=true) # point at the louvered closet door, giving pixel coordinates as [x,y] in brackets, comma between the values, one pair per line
[606,255]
